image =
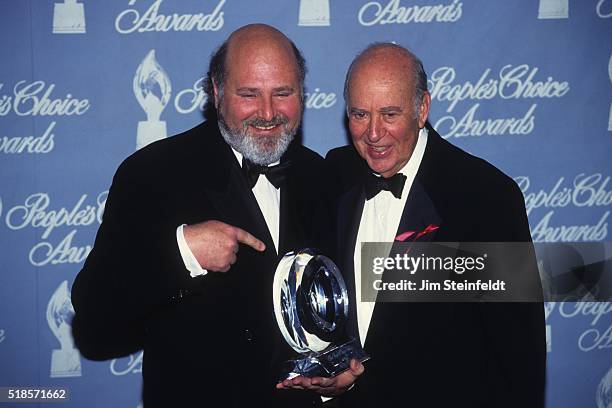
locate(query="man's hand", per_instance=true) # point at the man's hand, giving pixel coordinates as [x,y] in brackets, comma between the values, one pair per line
[215,244]
[328,387]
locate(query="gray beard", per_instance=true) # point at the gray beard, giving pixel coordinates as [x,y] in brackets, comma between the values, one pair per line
[262,150]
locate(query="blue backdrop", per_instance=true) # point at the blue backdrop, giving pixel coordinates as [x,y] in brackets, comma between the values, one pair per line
[526,85]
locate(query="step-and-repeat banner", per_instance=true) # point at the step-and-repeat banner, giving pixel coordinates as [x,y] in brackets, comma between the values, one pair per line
[526,84]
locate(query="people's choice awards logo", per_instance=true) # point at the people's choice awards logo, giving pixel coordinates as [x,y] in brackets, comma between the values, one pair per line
[584,191]
[132,20]
[553,9]
[36,212]
[599,335]
[511,82]
[68,17]
[603,396]
[152,90]
[65,362]
[314,13]
[36,98]
[393,12]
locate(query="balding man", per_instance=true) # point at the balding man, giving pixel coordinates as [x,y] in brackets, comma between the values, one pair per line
[402,181]
[183,262]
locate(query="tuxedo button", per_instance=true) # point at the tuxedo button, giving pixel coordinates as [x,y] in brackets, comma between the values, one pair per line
[248,335]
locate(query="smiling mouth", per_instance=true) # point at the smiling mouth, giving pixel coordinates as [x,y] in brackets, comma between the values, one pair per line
[264,127]
[379,152]
[267,125]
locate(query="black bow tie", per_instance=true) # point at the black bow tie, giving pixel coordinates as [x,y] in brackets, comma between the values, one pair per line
[275,174]
[375,184]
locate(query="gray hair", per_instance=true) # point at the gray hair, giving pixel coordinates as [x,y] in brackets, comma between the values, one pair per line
[419,77]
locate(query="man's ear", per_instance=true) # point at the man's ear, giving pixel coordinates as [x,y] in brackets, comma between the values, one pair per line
[424,109]
[215,93]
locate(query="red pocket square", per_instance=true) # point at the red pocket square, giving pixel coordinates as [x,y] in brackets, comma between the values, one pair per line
[405,235]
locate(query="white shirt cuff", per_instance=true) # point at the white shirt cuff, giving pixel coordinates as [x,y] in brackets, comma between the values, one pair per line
[190,261]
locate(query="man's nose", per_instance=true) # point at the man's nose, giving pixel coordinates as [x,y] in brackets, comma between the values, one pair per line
[374,129]
[266,107]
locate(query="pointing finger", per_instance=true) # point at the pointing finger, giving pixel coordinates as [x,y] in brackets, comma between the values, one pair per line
[248,239]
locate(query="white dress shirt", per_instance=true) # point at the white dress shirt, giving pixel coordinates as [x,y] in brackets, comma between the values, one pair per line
[268,200]
[379,222]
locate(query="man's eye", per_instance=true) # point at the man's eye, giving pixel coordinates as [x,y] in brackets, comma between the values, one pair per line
[249,95]
[283,94]
[358,115]
[390,115]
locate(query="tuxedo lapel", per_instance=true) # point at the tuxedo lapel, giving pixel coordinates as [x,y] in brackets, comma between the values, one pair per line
[419,213]
[349,217]
[291,234]
[286,222]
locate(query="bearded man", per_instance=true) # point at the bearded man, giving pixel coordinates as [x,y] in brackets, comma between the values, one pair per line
[194,226]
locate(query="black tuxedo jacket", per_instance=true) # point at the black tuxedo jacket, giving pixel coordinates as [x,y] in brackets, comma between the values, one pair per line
[208,341]
[444,354]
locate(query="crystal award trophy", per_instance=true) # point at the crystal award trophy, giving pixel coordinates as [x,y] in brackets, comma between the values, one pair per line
[311,305]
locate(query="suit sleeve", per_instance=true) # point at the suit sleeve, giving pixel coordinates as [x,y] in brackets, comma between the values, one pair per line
[133,269]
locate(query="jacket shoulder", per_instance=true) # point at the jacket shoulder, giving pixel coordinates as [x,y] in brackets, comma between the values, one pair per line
[170,155]
[470,190]
[460,167]
[165,148]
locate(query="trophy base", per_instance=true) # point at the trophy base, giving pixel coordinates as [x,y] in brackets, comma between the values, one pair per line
[65,363]
[149,132]
[328,363]
[313,23]
[551,9]
[68,18]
